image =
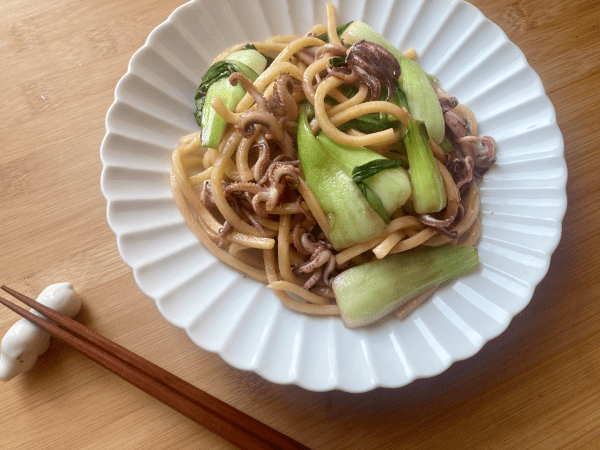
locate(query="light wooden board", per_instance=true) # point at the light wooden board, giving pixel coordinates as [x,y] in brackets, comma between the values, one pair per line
[536,386]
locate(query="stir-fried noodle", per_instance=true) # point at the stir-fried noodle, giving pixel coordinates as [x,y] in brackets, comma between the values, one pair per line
[247,200]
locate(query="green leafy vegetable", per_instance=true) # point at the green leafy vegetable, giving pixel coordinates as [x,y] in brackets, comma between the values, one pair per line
[340,29]
[370,291]
[385,191]
[373,200]
[423,101]
[372,168]
[369,123]
[416,84]
[199,100]
[373,122]
[368,170]
[447,145]
[400,97]
[215,83]
[217,71]
[348,90]
[349,216]
[432,79]
[357,31]
[253,47]
[428,189]
[338,61]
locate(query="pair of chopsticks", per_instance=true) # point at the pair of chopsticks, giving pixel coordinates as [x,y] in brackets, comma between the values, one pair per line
[231,424]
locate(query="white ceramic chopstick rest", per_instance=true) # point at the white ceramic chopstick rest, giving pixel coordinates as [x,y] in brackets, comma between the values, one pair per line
[24,342]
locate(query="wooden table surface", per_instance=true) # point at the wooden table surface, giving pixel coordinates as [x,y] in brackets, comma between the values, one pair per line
[535,386]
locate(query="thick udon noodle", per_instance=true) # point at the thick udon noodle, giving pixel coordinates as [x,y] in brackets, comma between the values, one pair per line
[265,246]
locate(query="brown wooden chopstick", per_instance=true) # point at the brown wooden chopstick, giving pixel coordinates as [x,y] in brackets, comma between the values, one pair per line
[228,422]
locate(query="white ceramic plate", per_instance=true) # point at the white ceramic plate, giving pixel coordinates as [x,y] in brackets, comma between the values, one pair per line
[523,197]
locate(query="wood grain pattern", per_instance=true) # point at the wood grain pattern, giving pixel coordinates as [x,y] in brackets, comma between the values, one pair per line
[537,386]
